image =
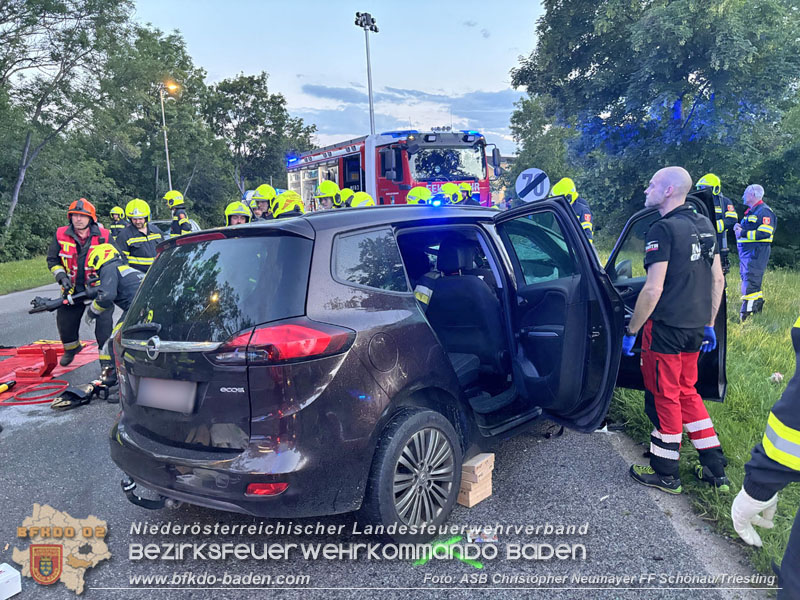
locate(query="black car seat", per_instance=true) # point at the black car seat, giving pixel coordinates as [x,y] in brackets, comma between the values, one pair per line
[463,310]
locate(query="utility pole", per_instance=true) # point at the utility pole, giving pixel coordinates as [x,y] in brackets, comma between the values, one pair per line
[367,22]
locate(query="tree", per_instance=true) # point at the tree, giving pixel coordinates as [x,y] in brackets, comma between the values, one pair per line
[127,134]
[256,127]
[542,143]
[651,83]
[53,63]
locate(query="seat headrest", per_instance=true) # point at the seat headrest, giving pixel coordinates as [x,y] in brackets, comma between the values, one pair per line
[455,255]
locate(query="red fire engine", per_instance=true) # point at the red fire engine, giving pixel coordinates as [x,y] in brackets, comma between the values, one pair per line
[400,160]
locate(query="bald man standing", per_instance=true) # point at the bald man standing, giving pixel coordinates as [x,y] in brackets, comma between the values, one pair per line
[676,310]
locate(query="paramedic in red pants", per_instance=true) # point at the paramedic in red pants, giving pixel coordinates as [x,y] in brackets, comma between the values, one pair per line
[676,310]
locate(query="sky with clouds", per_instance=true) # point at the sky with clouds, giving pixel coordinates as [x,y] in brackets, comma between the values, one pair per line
[434,62]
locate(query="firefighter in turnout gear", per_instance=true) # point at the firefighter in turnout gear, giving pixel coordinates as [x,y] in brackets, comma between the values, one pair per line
[361,199]
[466,195]
[347,196]
[419,195]
[566,187]
[329,195]
[451,193]
[67,259]
[117,286]
[676,310]
[287,205]
[724,214]
[237,213]
[263,198]
[180,221]
[754,238]
[774,463]
[138,241]
[117,221]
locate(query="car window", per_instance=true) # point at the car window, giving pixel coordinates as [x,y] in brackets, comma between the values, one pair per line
[369,259]
[209,290]
[628,263]
[540,248]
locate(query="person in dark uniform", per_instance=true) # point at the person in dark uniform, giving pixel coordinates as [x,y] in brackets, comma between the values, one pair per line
[67,259]
[566,187]
[117,221]
[774,463]
[180,220]
[754,238]
[138,241]
[117,286]
[676,310]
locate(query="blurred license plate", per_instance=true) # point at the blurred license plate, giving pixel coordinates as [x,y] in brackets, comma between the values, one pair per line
[167,394]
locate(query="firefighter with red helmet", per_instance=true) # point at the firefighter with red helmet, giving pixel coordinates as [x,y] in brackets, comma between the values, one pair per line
[68,261]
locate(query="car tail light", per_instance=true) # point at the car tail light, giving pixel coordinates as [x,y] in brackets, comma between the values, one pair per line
[287,341]
[265,489]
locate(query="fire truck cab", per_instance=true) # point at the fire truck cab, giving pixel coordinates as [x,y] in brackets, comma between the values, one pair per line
[398,161]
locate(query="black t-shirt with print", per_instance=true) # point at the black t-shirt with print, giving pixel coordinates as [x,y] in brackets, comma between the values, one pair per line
[687,242]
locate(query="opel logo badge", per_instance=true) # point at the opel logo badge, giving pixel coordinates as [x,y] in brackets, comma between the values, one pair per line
[152,347]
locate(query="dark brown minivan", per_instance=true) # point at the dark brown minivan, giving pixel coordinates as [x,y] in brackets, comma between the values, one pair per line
[289,369]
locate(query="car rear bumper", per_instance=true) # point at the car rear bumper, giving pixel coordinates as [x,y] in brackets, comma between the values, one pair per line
[219,480]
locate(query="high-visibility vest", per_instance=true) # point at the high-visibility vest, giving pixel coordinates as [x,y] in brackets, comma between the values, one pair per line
[68,252]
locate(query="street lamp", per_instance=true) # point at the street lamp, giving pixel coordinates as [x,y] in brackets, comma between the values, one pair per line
[171,87]
[367,22]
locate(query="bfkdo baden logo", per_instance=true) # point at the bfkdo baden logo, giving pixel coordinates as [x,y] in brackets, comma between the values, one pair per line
[45,562]
[61,548]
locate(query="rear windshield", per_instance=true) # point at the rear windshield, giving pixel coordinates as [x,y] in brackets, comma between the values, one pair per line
[209,290]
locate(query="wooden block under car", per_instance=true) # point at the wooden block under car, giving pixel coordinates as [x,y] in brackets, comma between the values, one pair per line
[478,468]
[471,485]
[470,498]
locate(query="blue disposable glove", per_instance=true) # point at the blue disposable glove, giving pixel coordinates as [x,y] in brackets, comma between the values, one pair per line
[627,345]
[709,339]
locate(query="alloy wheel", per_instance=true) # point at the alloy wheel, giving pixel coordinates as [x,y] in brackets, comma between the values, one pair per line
[423,477]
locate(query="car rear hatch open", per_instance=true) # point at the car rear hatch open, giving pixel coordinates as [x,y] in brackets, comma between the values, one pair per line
[202,290]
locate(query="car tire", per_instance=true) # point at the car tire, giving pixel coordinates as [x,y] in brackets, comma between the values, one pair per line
[414,445]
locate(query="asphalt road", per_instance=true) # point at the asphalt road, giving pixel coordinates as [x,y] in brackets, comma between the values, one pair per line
[61,459]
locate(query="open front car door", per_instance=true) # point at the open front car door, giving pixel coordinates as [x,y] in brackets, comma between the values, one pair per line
[564,317]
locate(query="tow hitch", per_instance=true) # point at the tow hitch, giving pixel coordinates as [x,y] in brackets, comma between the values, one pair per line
[129,487]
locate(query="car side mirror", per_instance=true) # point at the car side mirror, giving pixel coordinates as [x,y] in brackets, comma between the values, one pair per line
[624,270]
[412,148]
[498,171]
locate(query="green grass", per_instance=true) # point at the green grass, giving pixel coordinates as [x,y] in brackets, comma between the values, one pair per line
[756,349]
[24,274]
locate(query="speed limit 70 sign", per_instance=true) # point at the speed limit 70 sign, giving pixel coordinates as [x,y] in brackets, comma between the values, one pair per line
[532,184]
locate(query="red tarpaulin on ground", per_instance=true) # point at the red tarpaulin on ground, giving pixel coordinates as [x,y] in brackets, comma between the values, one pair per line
[26,363]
